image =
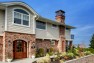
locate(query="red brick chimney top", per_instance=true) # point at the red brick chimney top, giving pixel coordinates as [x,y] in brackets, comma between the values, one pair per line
[60,16]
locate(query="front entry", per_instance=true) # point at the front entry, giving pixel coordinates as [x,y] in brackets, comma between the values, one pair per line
[19,49]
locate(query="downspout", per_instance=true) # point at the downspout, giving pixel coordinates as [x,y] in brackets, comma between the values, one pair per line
[6,19]
[5,30]
[35,17]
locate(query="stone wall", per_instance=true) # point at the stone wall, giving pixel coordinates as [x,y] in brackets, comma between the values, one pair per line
[1,48]
[86,59]
[9,37]
[46,44]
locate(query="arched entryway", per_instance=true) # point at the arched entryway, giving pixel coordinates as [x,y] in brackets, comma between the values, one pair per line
[19,49]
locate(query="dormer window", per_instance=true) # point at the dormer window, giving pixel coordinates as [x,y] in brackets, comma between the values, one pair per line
[21,17]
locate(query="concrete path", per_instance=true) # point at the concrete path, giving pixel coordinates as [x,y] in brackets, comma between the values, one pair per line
[27,60]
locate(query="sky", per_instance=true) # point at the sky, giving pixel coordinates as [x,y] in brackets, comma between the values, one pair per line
[79,13]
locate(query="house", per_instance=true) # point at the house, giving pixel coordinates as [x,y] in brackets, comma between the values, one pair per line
[22,31]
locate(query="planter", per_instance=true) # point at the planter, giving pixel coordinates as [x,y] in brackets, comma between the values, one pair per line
[33,56]
[9,60]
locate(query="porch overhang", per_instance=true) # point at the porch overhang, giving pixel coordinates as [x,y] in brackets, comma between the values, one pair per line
[47,39]
[69,39]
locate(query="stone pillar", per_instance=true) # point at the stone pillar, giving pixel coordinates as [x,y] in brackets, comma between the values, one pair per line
[66,46]
[62,42]
[70,45]
[1,48]
[60,17]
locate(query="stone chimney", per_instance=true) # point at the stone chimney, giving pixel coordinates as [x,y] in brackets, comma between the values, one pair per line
[60,16]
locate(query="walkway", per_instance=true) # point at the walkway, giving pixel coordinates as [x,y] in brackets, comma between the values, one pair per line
[27,60]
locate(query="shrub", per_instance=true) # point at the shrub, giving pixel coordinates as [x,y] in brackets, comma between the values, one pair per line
[70,55]
[89,49]
[63,54]
[76,52]
[57,57]
[40,61]
[47,59]
[87,52]
[61,61]
[40,52]
[51,51]
[47,55]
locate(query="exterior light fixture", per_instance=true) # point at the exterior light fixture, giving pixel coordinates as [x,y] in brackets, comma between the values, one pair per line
[33,45]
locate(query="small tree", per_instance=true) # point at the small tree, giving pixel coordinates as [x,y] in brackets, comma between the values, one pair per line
[92,42]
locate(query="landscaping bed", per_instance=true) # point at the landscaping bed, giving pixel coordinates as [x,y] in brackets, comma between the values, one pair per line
[64,57]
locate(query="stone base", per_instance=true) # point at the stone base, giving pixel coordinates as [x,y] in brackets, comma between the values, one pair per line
[46,44]
[10,37]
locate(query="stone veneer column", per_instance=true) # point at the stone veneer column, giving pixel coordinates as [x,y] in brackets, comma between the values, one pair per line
[70,44]
[60,17]
[62,42]
[1,48]
[9,37]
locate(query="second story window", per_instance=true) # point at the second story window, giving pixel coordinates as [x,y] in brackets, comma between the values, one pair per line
[21,17]
[40,25]
[54,26]
[67,29]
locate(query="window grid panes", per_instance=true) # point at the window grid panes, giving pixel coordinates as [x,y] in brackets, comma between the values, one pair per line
[21,18]
[40,25]
[19,46]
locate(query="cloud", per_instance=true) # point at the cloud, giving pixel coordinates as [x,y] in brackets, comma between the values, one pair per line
[83,29]
[83,34]
[86,28]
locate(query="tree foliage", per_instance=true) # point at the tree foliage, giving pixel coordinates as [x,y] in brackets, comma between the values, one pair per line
[92,42]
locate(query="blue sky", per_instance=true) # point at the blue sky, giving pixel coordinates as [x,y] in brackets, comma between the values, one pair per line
[79,13]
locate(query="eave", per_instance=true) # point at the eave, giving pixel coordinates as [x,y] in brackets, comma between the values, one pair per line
[40,18]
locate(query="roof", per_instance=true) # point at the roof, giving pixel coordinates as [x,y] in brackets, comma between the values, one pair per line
[54,22]
[9,3]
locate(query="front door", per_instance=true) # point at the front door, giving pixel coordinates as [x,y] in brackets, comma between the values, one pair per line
[19,49]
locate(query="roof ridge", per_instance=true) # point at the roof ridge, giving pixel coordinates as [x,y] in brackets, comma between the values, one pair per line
[11,1]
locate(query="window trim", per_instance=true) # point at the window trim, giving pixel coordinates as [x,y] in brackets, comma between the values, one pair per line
[21,18]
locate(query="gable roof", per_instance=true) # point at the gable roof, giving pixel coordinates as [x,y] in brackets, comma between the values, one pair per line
[10,3]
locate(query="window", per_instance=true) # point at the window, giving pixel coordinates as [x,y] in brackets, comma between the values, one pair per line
[67,29]
[52,42]
[40,25]
[72,36]
[21,17]
[19,46]
[17,18]
[54,26]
